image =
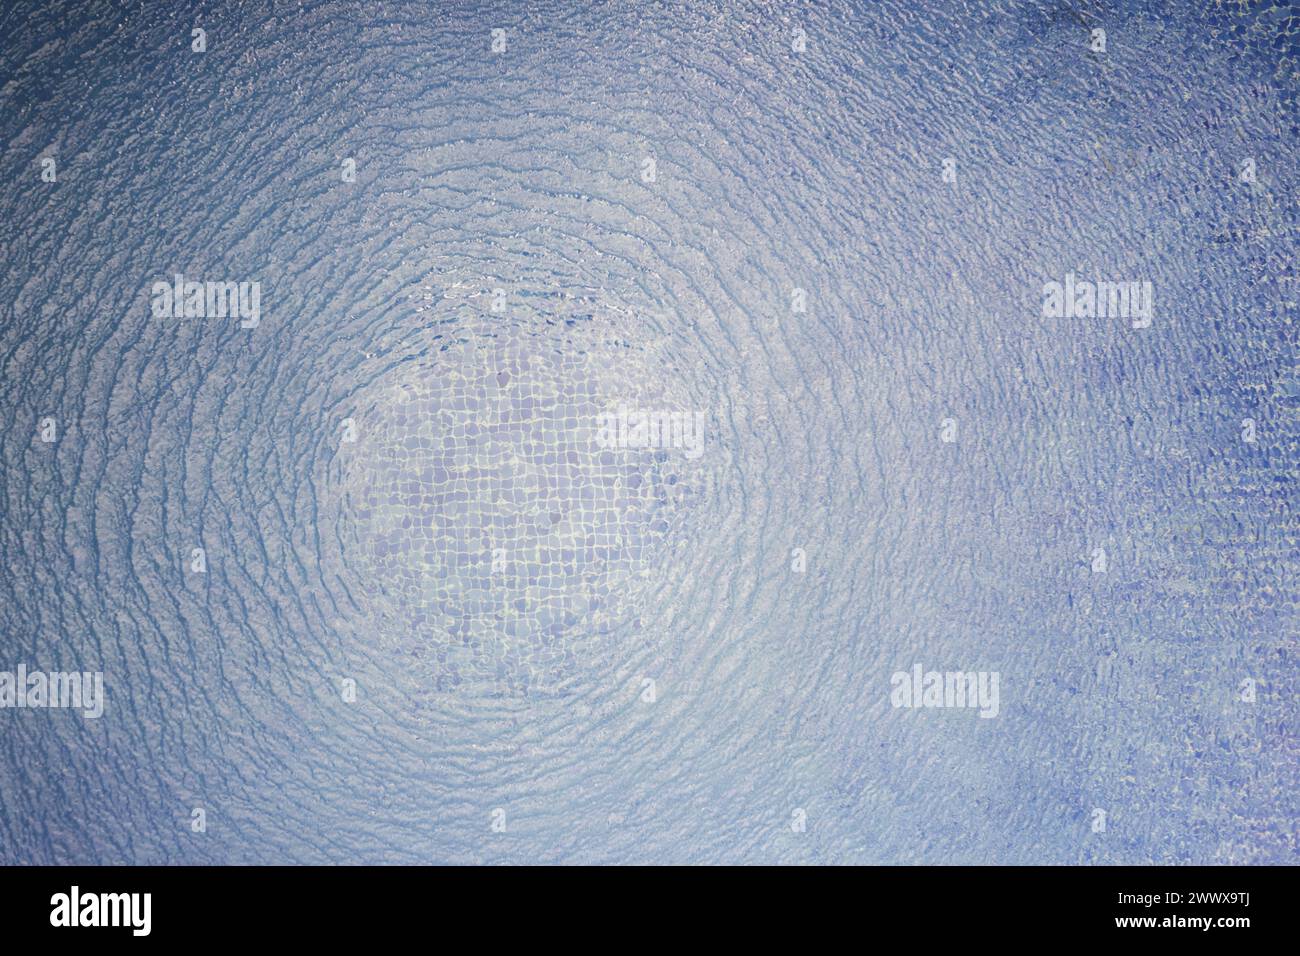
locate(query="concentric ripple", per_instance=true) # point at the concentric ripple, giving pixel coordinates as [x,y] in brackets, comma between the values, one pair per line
[441,619]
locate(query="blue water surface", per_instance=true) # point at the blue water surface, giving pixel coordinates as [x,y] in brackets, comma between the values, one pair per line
[437,621]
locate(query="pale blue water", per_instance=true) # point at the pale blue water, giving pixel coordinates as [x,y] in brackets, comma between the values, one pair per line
[499,587]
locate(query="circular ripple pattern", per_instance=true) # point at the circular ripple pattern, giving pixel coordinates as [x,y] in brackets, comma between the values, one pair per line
[439,621]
